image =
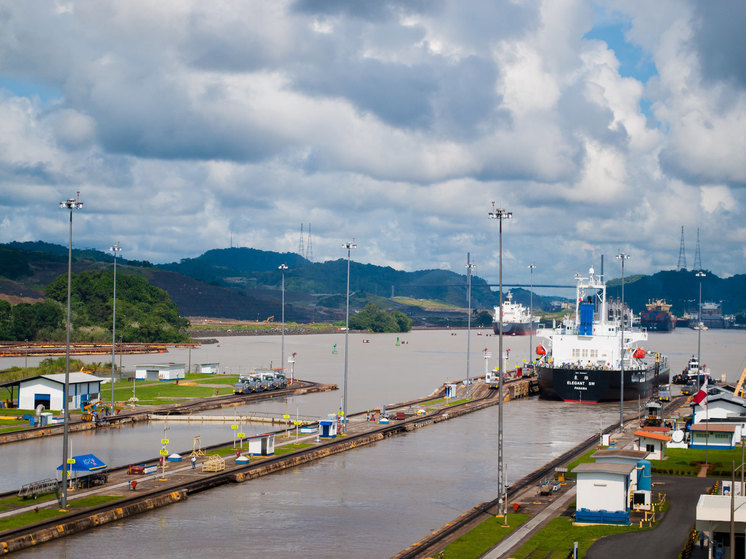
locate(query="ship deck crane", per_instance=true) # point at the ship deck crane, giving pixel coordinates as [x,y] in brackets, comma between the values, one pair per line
[739,385]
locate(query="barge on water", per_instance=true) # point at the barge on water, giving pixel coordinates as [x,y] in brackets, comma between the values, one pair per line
[583,358]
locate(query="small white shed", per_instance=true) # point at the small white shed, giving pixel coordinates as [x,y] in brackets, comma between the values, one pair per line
[160,371]
[262,445]
[621,456]
[209,368]
[48,390]
[652,442]
[602,489]
[704,435]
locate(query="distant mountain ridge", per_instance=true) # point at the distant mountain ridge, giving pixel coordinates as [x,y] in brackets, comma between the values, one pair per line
[244,283]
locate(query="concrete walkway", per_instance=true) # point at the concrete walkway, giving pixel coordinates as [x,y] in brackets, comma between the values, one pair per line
[533,524]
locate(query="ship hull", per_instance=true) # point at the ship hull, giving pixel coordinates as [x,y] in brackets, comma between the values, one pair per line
[576,384]
[658,325]
[516,328]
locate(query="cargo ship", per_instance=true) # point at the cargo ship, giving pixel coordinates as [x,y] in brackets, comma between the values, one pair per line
[657,316]
[517,320]
[583,359]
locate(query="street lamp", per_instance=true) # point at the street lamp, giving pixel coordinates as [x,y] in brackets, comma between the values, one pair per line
[469,267]
[531,317]
[501,214]
[282,268]
[700,275]
[622,257]
[70,204]
[348,246]
[114,249]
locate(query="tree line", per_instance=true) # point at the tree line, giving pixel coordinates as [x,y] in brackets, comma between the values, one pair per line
[144,313]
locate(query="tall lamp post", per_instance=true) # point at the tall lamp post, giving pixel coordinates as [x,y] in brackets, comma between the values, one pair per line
[348,246]
[531,317]
[622,257]
[70,204]
[699,275]
[116,249]
[469,267]
[500,214]
[282,268]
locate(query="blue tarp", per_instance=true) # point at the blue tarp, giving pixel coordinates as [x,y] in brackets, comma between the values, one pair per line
[85,463]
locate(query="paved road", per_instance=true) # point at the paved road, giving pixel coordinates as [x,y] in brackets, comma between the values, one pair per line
[670,536]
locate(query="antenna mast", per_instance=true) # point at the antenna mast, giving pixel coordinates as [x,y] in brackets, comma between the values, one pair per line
[309,246]
[697,256]
[682,253]
[301,250]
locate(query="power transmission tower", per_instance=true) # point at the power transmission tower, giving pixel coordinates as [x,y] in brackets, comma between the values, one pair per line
[301,250]
[697,256]
[309,246]
[682,253]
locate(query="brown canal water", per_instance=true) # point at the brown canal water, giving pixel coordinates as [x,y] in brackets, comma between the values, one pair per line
[374,501]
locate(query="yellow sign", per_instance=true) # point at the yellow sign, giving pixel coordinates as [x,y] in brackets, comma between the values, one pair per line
[164,441]
[285,416]
[241,434]
[234,426]
[164,452]
[296,422]
[71,460]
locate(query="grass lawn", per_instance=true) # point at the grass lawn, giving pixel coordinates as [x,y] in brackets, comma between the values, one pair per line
[164,392]
[26,518]
[688,461]
[484,537]
[20,427]
[556,539]
[279,450]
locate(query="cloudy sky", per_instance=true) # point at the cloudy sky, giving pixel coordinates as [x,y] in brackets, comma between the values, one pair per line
[602,126]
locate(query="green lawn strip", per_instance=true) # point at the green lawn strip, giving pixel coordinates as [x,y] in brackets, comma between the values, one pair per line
[279,450]
[12,429]
[484,537]
[213,379]
[154,392]
[19,413]
[93,500]
[556,539]
[14,422]
[20,501]
[26,518]
[689,461]
[31,517]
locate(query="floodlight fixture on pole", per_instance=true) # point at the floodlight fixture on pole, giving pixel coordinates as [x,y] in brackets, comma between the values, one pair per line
[282,268]
[699,275]
[349,246]
[501,214]
[531,317]
[70,204]
[621,256]
[116,249]
[469,267]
